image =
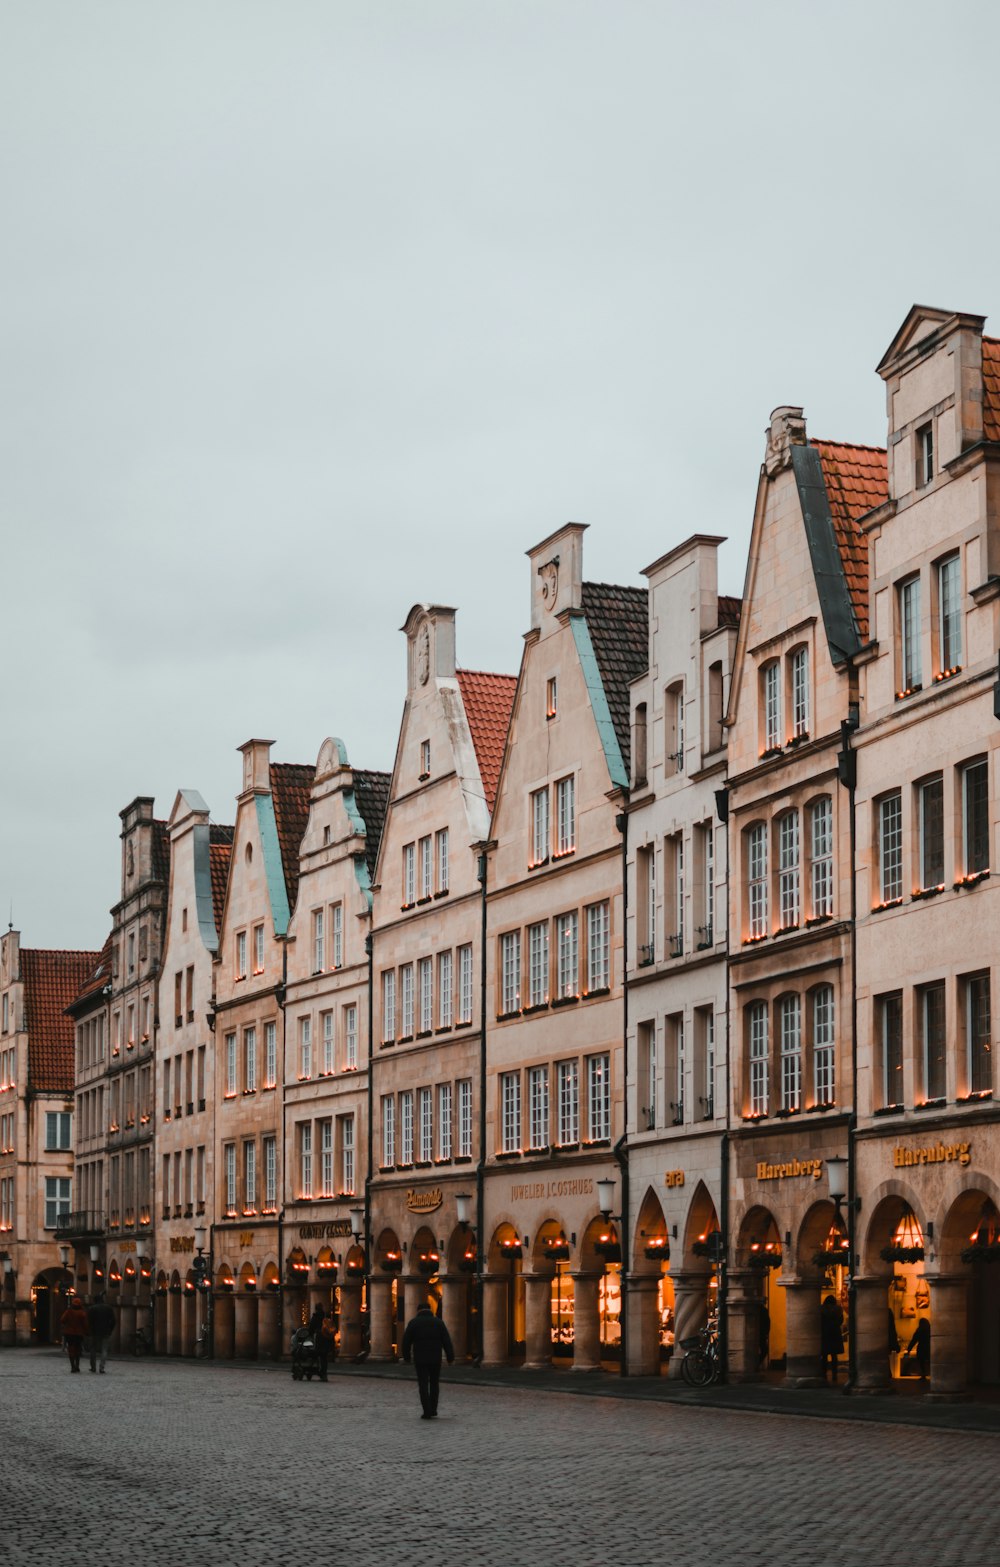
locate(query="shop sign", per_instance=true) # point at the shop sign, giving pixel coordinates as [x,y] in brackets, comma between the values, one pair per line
[424,1201]
[583,1186]
[122,1246]
[182,1243]
[674,1178]
[336,1229]
[790,1168]
[937,1153]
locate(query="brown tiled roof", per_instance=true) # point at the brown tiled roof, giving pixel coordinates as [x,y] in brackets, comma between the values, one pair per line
[487,700]
[219,833]
[290,786]
[160,851]
[52,980]
[991,388]
[219,855]
[729,611]
[372,793]
[856,482]
[618,621]
[97,977]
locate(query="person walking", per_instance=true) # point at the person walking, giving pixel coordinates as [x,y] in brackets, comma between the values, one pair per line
[74,1326]
[321,1337]
[426,1339]
[921,1344]
[100,1326]
[831,1334]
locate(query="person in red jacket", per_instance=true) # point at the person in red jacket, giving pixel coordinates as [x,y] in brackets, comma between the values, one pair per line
[74,1326]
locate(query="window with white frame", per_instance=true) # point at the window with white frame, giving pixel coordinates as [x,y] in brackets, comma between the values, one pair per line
[675,728]
[425,758]
[465,984]
[771,684]
[446,995]
[824,1059]
[799,671]
[932,1041]
[426,868]
[347,1154]
[930,808]
[567,954]
[406,1000]
[306,1159]
[250,1060]
[599,1096]
[388,1005]
[406,1126]
[552,696]
[326,1158]
[305,1047]
[538,1107]
[465,1118]
[409,874]
[949,617]
[565,815]
[270,1054]
[976,817]
[707,1017]
[337,932]
[673,880]
[241,954]
[538,963]
[890,846]
[250,1177]
[510,1112]
[444,1121]
[790,1023]
[58,1131]
[568,1107]
[270,1147]
[443,869]
[351,1038]
[425,1125]
[388,1130]
[924,441]
[426,977]
[231,1083]
[57,1199]
[646,876]
[978,1047]
[821,857]
[676,1065]
[705,844]
[756,841]
[647,1075]
[319,942]
[510,972]
[539,827]
[759,1057]
[230,1163]
[258,949]
[910,667]
[329,1051]
[788,869]
[889,1025]
[598,946]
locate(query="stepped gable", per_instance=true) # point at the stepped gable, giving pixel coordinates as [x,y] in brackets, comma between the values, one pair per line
[991,388]
[729,611]
[291,783]
[52,982]
[618,622]
[856,483]
[371,791]
[487,700]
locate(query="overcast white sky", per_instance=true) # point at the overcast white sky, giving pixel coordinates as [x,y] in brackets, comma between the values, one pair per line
[310,311]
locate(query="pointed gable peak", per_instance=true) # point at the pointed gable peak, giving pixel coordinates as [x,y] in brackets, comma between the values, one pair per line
[787,428]
[430,646]
[922,329]
[556,575]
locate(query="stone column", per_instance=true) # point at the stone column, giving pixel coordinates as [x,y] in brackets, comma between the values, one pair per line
[803,1362]
[414,1287]
[350,1321]
[690,1311]
[126,1324]
[245,1345]
[22,1321]
[380,1307]
[949,1314]
[495,1320]
[743,1324]
[586,1322]
[269,1345]
[643,1311]
[871,1324]
[538,1321]
[173,1324]
[225,1326]
[454,1311]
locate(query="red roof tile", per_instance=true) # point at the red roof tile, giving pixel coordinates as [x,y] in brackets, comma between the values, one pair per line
[52,980]
[290,786]
[219,855]
[991,388]
[856,482]
[488,700]
[98,976]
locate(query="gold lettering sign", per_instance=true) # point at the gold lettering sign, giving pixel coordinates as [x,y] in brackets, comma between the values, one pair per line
[674,1178]
[424,1201]
[790,1168]
[937,1153]
[336,1229]
[182,1243]
[582,1186]
[246,1239]
[123,1246]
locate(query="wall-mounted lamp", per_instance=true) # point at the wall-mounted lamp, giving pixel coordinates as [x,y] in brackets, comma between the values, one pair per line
[95,1253]
[358,1224]
[463,1208]
[836,1172]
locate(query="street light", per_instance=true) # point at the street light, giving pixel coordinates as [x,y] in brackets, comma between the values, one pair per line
[463,1208]
[202,1270]
[357,1223]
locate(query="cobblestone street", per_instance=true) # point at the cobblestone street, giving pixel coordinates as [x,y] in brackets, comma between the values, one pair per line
[187,1462]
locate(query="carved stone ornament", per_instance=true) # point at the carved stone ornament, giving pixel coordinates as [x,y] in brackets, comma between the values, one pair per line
[423,654]
[328,761]
[787,429]
[129,859]
[549,574]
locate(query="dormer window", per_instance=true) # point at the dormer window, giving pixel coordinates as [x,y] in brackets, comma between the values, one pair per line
[925,455]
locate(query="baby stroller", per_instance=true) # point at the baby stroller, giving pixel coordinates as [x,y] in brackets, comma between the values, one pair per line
[305,1360]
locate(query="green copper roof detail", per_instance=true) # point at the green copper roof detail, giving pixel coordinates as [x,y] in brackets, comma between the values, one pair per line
[599,702]
[273,869]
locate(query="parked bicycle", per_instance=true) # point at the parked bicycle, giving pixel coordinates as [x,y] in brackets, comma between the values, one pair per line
[143,1344]
[701,1365]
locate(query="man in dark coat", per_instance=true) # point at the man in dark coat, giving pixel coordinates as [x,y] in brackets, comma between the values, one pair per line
[427,1338]
[100,1326]
[74,1326]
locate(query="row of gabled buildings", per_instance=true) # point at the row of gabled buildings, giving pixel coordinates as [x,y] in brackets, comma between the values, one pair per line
[653,985]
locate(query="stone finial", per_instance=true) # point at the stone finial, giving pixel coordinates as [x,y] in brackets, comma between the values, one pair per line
[787,429]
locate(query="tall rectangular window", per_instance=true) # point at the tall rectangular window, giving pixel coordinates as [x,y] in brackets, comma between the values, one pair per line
[675,729]
[932,1042]
[539,827]
[258,949]
[326,1158]
[58,1130]
[329,1054]
[599,1096]
[57,1199]
[568,1109]
[270,1054]
[646,876]
[565,815]
[538,1107]
[949,583]
[673,879]
[708,1056]
[406,1126]
[788,869]
[425,1125]
[538,963]
[675,1066]
[824,1057]
[249,1177]
[305,1047]
[925,454]
[909,634]
[771,679]
[648,1065]
[890,847]
[756,839]
[790,1018]
[976,817]
[446,995]
[406,1000]
[758,1056]
[347,1154]
[930,801]
[821,857]
[465,1118]
[351,1038]
[510,972]
[250,1060]
[443,869]
[426,976]
[465,984]
[319,942]
[241,954]
[388,1005]
[444,1121]
[409,874]
[230,1066]
[979,1049]
[270,1174]
[337,931]
[426,868]
[306,1159]
[567,958]
[388,1130]
[800,692]
[230,1163]
[889,1020]
[598,947]
[705,872]
[510,1112]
